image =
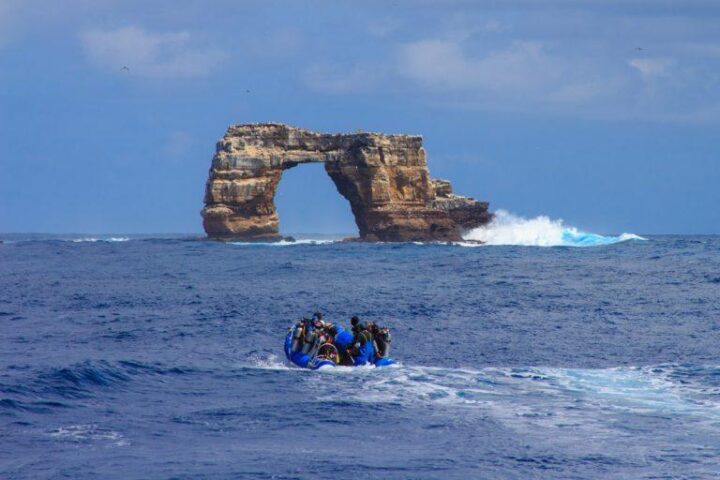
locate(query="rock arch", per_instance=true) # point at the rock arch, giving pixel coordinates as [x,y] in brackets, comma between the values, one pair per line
[384,177]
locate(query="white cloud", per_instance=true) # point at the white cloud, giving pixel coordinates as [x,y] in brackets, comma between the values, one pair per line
[509,78]
[590,80]
[651,67]
[506,77]
[521,67]
[149,54]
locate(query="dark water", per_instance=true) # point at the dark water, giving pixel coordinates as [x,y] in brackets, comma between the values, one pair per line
[161,358]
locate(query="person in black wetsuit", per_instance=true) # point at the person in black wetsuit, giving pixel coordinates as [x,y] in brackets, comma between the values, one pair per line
[356,325]
[361,335]
[370,332]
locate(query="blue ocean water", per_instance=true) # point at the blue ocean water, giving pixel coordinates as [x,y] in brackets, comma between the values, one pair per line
[133,357]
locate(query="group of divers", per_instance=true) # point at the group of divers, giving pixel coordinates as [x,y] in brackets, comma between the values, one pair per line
[314,343]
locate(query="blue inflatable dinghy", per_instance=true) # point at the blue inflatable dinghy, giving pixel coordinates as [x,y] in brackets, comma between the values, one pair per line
[327,355]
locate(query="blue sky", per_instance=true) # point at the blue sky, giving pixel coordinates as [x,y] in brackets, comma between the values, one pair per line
[601,112]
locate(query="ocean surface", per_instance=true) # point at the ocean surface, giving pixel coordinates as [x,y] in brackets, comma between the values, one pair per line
[129,357]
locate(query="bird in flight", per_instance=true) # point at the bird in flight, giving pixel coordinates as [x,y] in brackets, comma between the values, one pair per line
[639,49]
[125,68]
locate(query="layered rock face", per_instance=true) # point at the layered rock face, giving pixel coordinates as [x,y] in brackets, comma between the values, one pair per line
[384,177]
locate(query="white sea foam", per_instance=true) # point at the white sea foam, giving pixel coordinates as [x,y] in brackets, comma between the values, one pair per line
[542,231]
[284,243]
[95,239]
[269,362]
[525,393]
[538,395]
[88,433]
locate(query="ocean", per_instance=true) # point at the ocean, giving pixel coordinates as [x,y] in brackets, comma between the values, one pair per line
[551,355]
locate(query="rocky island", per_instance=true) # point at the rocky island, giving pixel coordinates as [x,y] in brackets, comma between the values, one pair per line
[384,177]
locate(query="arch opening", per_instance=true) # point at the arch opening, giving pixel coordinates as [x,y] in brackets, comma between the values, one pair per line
[309,205]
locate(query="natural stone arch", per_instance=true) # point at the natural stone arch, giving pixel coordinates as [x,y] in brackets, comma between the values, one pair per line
[384,177]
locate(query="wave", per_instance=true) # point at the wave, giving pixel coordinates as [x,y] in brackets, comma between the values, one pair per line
[87,433]
[20,239]
[509,229]
[284,243]
[77,381]
[94,239]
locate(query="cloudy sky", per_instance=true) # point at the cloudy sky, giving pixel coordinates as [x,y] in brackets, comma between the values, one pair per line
[604,113]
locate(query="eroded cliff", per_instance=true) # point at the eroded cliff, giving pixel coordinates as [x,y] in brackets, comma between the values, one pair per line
[384,177]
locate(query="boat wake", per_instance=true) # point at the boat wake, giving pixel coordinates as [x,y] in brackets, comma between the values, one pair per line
[536,394]
[509,229]
[524,392]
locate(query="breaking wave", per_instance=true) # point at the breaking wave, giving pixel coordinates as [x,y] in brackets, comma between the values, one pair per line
[88,433]
[95,239]
[542,231]
[283,243]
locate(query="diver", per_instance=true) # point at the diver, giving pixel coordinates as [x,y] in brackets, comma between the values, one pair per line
[361,335]
[331,331]
[321,337]
[318,322]
[325,344]
[322,334]
[357,325]
[360,349]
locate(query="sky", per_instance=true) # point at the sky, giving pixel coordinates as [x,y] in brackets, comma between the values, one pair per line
[603,113]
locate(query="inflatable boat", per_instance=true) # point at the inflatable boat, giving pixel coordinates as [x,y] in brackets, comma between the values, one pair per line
[328,354]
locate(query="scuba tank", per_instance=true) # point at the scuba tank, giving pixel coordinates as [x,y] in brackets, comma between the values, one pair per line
[317,341]
[297,337]
[309,338]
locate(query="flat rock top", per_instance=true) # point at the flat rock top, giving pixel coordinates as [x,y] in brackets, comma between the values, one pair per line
[282,129]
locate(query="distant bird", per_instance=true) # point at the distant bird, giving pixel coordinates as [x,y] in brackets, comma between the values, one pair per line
[247,91]
[125,68]
[639,49]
